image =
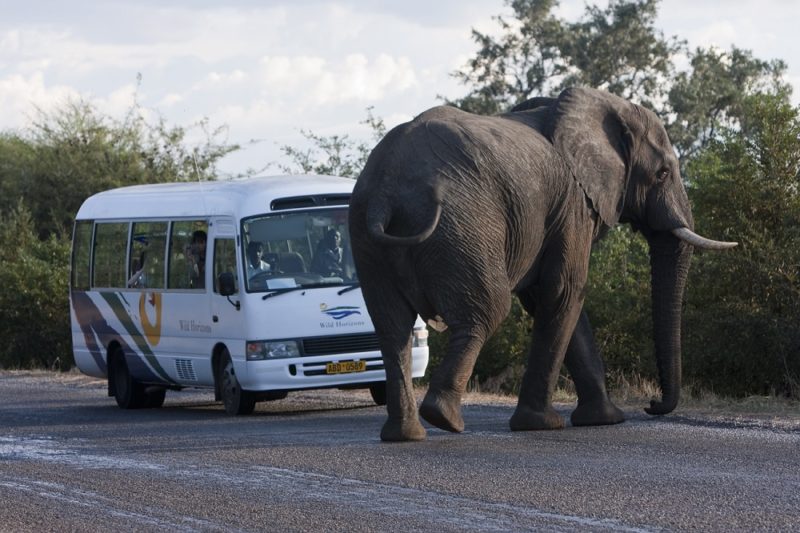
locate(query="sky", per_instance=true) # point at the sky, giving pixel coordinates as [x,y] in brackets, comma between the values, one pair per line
[266,69]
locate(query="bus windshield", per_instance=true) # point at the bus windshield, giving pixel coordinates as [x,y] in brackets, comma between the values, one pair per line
[298,249]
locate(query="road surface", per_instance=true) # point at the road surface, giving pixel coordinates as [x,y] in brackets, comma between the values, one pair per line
[71,460]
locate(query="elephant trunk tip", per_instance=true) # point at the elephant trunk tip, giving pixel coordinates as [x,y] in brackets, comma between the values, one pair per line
[661,408]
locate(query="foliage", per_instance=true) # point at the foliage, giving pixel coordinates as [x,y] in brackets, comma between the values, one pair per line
[76,151]
[618,303]
[46,172]
[710,97]
[744,305]
[34,309]
[334,155]
[617,49]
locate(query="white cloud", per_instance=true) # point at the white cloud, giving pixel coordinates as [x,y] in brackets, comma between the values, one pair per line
[269,69]
[21,95]
[354,78]
[119,101]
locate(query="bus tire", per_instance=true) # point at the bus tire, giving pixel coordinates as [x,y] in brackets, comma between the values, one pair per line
[235,400]
[129,393]
[155,397]
[378,392]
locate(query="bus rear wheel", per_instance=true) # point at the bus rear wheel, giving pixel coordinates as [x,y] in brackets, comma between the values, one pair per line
[235,400]
[129,393]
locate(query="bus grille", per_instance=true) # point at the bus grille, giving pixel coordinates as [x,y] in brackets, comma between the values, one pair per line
[366,342]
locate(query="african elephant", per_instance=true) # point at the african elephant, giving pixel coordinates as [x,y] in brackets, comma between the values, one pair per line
[454,212]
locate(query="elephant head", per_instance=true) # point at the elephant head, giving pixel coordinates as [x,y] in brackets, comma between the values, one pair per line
[622,158]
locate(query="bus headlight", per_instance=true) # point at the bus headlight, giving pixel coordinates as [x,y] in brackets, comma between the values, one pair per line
[260,350]
[420,338]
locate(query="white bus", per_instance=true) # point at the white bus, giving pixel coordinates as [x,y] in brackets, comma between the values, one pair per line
[246,286]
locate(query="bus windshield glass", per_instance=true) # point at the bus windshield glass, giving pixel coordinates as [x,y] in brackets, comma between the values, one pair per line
[298,249]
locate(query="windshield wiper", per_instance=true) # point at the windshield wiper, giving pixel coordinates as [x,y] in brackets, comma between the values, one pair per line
[278,292]
[352,287]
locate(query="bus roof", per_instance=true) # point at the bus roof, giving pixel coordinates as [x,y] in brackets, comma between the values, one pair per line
[237,198]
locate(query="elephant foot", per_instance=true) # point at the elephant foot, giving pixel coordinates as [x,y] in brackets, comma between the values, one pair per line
[401,430]
[526,419]
[600,413]
[443,410]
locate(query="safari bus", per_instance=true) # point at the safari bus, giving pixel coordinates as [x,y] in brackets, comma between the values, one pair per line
[244,286]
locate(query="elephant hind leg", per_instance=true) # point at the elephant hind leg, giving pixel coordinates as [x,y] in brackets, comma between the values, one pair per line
[394,323]
[442,404]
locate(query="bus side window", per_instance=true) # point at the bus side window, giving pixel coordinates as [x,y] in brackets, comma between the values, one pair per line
[225,260]
[110,247]
[148,241]
[81,255]
[183,269]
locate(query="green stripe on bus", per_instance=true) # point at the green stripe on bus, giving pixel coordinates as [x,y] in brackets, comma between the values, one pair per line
[114,300]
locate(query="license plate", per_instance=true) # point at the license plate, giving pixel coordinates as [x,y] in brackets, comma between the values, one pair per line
[345,367]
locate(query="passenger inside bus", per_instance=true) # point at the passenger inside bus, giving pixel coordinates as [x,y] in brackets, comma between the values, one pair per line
[328,257]
[255,262]
[196,255]
[137,267]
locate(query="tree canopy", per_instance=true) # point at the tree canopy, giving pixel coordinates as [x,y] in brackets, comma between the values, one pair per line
[75,151]
[46,172]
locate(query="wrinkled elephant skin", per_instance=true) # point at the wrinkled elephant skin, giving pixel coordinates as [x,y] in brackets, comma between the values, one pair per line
[454,212]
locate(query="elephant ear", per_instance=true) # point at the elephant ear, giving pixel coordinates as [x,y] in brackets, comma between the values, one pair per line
[595,141]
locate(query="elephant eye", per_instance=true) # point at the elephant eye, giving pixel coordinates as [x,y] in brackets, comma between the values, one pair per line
[663,174]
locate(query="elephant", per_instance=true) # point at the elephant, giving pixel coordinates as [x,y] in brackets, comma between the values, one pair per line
[455,212]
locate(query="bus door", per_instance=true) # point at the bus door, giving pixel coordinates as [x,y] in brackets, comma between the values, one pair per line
[226,316]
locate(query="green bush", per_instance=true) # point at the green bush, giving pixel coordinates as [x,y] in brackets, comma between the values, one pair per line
[34,309]
[744,304]
[618,303]
[63,158]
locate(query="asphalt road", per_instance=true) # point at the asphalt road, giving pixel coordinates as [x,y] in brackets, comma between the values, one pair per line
[71,460]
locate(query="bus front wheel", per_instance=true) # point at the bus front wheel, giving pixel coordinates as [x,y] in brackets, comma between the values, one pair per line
[378,392]
[235,400]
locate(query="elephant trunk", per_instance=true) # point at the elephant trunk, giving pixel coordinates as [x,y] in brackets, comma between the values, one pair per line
[669,263]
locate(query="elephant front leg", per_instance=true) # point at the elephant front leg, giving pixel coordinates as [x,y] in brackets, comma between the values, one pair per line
[401,405]
[586,367]
[534,408]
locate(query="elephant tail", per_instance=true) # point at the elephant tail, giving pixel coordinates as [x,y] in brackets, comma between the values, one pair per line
[380,213]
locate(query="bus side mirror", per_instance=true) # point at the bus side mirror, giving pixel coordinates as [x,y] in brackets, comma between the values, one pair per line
[226,284]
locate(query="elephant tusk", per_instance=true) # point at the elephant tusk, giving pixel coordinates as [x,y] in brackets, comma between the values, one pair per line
[690,237]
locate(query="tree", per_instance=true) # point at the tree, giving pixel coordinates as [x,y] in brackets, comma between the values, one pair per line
[620,50]
[745,305]
[75,151]
[34,308]
[523,61]
[334,155]
[710,97]
[616,48]
[46,172]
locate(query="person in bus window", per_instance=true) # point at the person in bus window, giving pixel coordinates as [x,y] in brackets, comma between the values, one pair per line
[255,261]
[328,257]
[196,256]
[137,267]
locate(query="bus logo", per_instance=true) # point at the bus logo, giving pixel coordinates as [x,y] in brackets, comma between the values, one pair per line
[340,312]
